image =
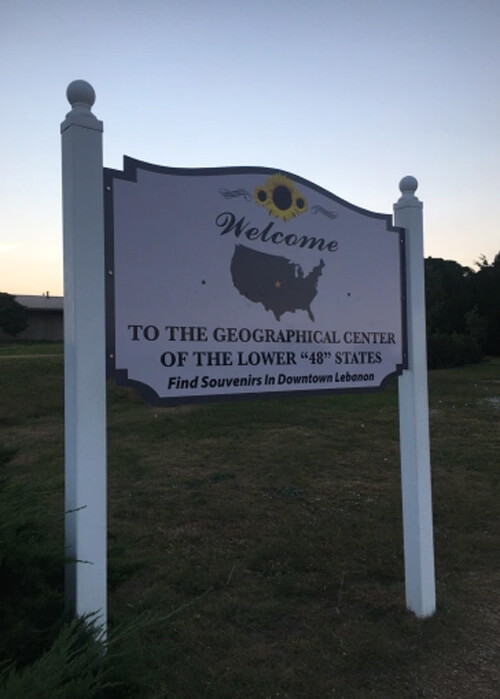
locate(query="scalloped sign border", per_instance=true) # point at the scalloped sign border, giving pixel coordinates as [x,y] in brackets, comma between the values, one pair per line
[244,282]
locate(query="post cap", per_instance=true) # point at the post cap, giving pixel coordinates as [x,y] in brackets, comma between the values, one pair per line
[408,185]
[81,96]
[80,93]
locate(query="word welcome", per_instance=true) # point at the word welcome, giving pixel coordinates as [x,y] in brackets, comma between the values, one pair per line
[227,221]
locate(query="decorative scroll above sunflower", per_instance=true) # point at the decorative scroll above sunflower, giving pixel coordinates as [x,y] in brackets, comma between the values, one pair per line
[280,197]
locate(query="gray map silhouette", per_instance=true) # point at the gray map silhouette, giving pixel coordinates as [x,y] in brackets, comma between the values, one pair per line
[274,281]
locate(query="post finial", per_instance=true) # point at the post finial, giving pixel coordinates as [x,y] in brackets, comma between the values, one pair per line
[408,186]
[81,96]
[80,93]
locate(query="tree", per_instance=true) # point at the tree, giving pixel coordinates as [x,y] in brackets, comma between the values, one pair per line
[463,311]
[13,316]
[455,328]
[486,294]
[447,295]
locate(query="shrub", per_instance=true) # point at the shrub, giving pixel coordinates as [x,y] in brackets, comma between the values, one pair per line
[451,350]
[31,571]
[44,653]
[73,667]
[13,316]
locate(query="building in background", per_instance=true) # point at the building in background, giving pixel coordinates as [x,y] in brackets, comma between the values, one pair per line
[45,319]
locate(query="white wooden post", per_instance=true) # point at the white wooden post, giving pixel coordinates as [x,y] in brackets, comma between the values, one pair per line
[84,350]
[414,417]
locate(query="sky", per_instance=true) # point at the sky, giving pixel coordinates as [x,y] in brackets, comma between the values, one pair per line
[350,94]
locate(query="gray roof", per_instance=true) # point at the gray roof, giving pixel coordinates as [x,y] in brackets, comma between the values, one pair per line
[41,303]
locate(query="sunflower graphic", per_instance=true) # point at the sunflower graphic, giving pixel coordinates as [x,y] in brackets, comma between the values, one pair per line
[280,197]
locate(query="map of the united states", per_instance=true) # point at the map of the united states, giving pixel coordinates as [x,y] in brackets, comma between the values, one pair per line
[276,282]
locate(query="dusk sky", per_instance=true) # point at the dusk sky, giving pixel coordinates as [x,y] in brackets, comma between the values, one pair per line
[350,94]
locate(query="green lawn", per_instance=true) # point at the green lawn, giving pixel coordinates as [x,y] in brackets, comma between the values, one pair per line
[278,524]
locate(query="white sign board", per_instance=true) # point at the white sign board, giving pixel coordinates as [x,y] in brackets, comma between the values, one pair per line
[247,281]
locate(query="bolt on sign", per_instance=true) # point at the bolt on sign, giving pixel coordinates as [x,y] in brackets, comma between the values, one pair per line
[240,282]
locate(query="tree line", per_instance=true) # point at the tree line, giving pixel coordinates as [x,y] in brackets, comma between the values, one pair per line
[462,310]
[462,306]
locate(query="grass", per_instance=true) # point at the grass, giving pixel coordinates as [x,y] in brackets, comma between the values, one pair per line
[17,348]
[270,531]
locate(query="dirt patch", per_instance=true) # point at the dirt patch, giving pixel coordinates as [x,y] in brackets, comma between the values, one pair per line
[470,667]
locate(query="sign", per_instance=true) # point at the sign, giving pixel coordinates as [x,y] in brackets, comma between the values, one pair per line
[247,281]
[230,282]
